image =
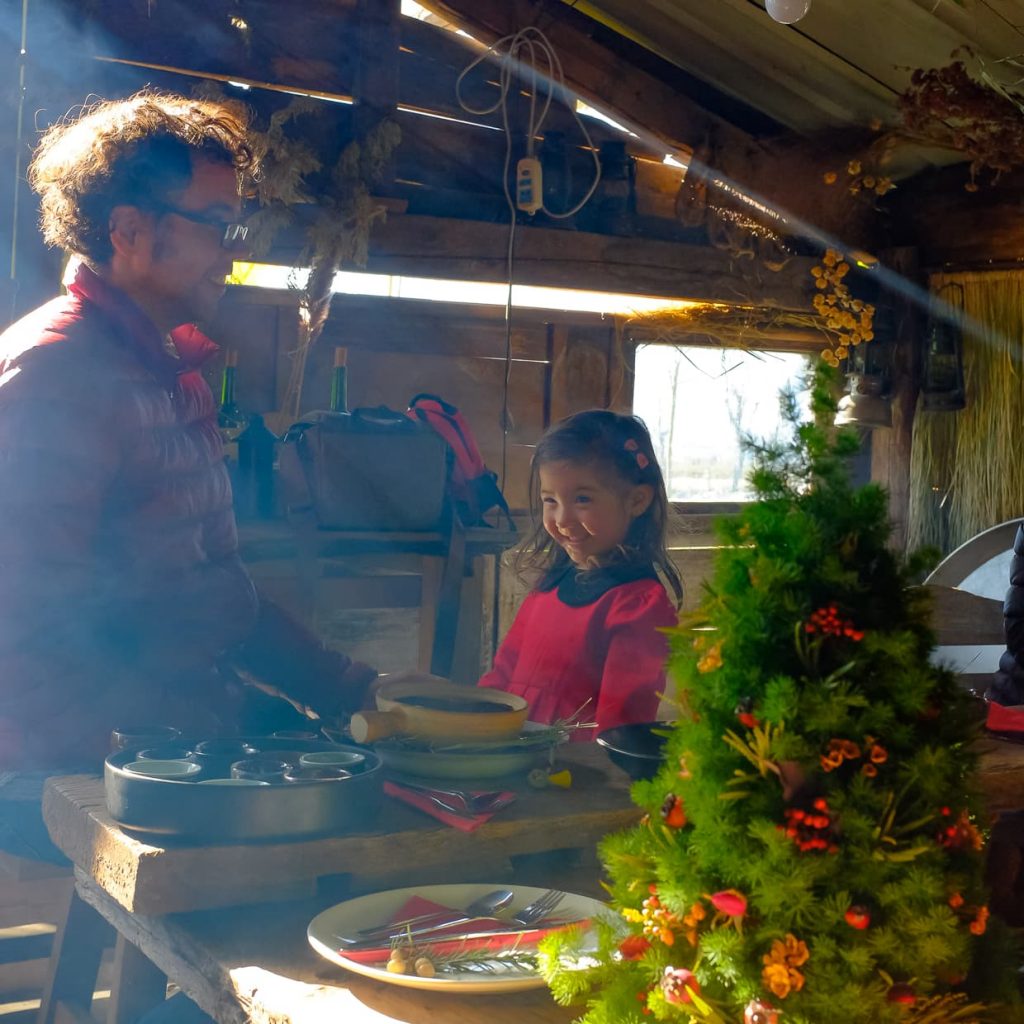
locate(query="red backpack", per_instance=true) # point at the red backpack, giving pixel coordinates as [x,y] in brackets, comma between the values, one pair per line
[473,487]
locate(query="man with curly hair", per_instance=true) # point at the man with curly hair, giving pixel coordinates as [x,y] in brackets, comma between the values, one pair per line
[122,596]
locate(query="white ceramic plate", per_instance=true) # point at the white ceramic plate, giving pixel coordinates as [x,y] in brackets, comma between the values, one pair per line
[366,911]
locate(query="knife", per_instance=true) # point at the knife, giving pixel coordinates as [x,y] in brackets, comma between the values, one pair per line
[364,944]
[391,932]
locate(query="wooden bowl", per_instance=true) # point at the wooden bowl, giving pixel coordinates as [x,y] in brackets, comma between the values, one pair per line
[440,711]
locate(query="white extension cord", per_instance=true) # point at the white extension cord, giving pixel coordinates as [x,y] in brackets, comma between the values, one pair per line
[530,53]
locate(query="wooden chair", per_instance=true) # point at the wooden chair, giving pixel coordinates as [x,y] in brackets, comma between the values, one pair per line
[967,589]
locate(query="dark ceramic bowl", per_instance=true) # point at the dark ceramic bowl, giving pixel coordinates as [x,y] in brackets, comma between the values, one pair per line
[262,769]
[217,756]
[305,736]
[316,775]
[138,737]
[167,752]
[637,749]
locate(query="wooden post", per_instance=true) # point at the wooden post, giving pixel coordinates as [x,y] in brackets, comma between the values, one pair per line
[890,448]
[376,83]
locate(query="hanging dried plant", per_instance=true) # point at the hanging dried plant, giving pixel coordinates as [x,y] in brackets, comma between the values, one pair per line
[950,107]
[344,209]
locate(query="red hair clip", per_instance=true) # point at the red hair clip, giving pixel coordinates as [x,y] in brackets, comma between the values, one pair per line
[632,445]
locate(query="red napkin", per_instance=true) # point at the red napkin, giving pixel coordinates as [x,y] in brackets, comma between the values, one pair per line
[1004,719]
[423,803]
[417,905]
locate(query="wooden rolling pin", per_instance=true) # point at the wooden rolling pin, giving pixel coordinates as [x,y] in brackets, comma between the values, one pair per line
[370,726]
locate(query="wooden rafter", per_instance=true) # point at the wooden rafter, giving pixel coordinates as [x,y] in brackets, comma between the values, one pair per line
[594,71]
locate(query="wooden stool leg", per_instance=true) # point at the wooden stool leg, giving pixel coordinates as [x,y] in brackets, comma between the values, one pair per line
[430,587]
[446,624]
[138,984]
[74,963]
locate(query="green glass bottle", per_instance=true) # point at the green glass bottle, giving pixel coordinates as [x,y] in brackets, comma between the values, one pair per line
[230,419]
[339,382]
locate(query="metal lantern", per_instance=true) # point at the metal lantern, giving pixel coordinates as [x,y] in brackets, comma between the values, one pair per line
[868,379]
[942,371]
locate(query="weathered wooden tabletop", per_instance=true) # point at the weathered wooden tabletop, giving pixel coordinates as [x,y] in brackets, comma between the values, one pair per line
[227,924]
[145,878]
[1001,774]
[253,965]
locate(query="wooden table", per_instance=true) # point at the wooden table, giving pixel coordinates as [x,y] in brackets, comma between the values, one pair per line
[1001,774]
[253,964]
[227,923]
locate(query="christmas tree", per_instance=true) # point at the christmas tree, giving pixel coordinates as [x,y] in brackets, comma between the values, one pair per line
[812,848]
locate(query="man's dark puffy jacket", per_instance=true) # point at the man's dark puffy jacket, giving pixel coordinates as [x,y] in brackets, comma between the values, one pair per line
[120,581]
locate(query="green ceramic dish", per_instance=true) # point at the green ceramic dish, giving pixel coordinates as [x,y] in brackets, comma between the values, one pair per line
[470,761]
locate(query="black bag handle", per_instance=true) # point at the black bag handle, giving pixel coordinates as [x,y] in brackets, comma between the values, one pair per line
[382,416]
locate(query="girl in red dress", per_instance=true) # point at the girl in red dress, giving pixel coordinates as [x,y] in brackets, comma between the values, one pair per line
[589,633]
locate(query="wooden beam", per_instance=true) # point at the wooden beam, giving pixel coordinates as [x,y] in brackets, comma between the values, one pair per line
[954,228]
[476,251]
[772,183]
[595,71]
[376,88]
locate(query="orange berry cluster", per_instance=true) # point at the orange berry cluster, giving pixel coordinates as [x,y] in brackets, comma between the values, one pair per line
[692,920]
[846,750]
[978,915]
[811,830]
[827,622]
[960,834]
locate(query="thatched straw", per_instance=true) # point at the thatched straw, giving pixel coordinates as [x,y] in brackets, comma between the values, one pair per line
[968,466]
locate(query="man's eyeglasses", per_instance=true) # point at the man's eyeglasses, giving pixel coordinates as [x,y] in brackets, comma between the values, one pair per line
[233,235]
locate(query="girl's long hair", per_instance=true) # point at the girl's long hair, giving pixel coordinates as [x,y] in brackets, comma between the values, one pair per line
[615,444]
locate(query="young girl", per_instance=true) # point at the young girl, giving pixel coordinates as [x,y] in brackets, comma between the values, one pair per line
[589,629]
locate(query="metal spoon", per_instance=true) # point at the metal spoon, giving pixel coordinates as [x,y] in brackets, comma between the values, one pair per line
[482,906]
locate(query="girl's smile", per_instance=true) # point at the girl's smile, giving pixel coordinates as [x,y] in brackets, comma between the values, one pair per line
[586,511]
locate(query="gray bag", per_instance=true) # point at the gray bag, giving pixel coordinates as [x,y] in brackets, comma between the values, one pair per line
[371,469]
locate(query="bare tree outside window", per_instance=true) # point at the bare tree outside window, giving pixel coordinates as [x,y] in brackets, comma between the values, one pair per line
[698,402]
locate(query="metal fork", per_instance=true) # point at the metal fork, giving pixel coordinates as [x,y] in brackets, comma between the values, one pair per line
[496,804]
[539,908]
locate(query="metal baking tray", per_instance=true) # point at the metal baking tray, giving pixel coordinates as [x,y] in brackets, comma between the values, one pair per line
[185,811]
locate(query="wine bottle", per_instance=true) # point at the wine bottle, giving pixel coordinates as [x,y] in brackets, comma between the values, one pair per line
[254,496]
[339,382]
[230,418]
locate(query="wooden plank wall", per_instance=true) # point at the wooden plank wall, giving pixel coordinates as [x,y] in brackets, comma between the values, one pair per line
[397,348]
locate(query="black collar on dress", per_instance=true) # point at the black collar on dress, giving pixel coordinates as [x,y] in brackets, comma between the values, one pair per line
[578,588]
